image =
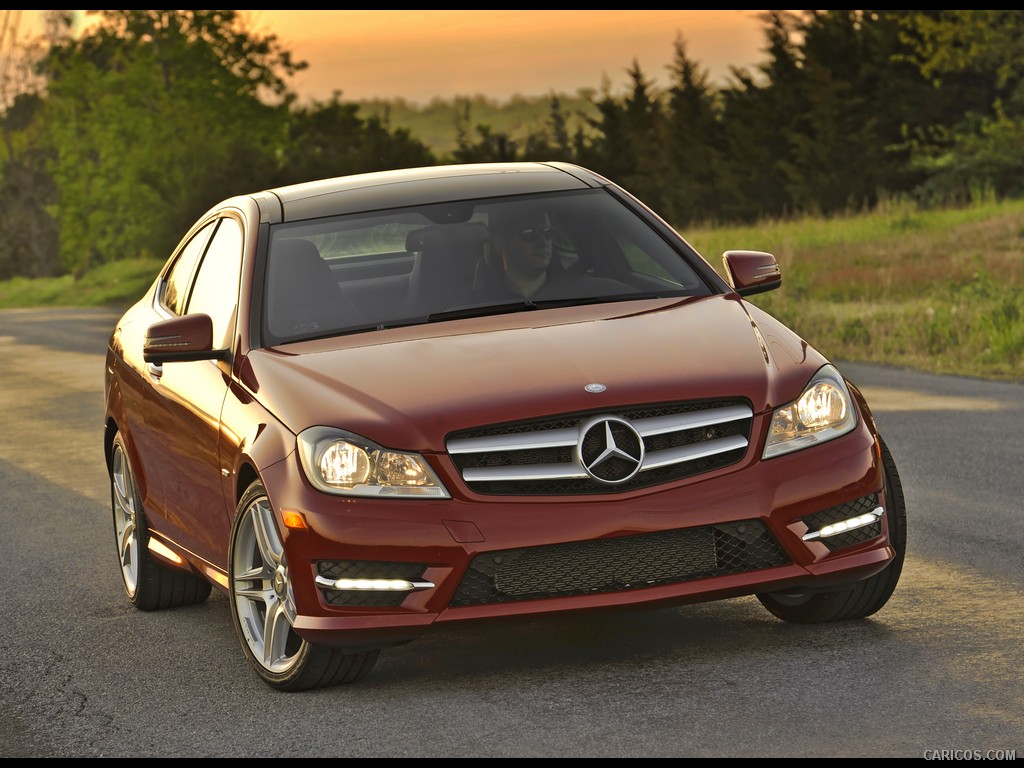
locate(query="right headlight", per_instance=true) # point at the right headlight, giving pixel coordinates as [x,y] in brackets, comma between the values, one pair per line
[349,465]
[823,412]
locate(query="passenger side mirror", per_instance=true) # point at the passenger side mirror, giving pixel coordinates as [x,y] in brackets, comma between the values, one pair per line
[752,272]
[181,339]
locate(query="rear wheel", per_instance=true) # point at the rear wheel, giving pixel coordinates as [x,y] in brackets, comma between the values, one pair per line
[263,608]
[149,584]
[861,598]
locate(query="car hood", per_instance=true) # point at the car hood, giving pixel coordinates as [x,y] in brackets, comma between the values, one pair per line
[407,388]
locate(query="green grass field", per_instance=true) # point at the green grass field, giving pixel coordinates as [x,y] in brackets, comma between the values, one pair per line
[939,291]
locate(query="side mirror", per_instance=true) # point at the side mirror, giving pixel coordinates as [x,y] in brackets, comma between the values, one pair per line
[752,272]
[181,339]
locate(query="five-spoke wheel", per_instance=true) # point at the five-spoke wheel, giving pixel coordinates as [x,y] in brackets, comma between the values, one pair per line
[264,611]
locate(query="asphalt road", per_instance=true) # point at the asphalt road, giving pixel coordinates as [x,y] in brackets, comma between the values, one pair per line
[82,674]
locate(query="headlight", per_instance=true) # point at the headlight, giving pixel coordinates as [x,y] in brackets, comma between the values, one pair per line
[824,411]
[346,464]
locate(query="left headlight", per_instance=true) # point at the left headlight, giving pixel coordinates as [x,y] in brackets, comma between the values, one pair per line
[824,411]
[349,465]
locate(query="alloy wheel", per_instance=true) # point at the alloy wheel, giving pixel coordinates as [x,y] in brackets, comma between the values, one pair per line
[125,519]
[263,597]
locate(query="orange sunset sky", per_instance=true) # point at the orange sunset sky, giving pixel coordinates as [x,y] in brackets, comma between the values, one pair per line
[418,55]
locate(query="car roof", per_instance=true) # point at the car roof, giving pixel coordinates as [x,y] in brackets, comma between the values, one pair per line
[419,186]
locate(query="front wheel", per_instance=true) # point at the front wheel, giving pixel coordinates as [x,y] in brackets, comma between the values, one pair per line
[263,608]
[862,598]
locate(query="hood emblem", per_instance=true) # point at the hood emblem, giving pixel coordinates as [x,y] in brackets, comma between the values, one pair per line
[610,449]
[595,387]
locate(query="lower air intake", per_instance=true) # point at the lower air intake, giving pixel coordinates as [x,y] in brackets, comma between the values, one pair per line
[617,564]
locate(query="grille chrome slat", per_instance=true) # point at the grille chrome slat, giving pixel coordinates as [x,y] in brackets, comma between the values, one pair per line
[657,425]
[524,472]
[685,453]
[551,438]
[603,452]
[574,470]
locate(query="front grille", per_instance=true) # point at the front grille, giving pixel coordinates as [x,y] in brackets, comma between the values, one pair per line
[556,456]
[366,569]
[617,564]
[850,509]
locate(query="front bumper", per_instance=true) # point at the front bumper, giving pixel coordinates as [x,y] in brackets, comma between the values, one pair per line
[737,531]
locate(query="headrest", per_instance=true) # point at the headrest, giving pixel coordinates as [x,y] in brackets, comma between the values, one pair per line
[298,274]
[289,254]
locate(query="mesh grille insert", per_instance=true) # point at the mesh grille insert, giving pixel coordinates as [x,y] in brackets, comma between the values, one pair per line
[620,563]
[846,511]
[366,569]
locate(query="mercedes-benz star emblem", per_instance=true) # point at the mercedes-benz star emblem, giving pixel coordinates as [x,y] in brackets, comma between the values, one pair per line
[610,449]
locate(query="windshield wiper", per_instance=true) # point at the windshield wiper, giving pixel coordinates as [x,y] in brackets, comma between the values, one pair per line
[482,310]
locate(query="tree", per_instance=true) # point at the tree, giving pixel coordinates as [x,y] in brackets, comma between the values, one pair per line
[757,111]
[29,245]
[330,139]
[976,59]
[624,141]
[490,146]
[824,127]
[29,242]
[692,142]
[553,142]
[154,116]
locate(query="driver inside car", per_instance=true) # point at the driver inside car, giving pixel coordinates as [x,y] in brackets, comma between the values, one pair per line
[520,265]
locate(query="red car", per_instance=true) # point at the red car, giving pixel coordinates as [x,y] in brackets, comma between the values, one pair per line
[366,406]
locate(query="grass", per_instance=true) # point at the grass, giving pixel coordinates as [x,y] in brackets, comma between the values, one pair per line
[118,285]
[939,291]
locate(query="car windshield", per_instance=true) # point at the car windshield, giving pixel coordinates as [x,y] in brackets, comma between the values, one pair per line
[445,261]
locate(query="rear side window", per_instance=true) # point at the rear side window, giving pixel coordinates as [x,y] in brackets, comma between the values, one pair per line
[215,292]
[174,291]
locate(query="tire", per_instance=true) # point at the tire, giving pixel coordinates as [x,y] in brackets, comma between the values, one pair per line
[862,598]
[149,584]
[263,608]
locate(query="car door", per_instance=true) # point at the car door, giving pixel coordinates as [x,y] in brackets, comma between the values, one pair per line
[183,411]
[140,380]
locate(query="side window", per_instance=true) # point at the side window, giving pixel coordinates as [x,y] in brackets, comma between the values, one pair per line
[215,292]
[175,288]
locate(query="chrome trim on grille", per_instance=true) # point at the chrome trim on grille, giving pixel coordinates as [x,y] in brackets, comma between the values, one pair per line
[526,441]
[555,438]
[574,469]
[693,452]
[659,425]
[524,472]
[571,437]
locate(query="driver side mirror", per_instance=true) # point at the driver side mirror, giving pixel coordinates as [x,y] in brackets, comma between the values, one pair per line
[181,339]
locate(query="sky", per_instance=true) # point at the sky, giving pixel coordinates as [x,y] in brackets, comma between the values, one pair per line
[421,55]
